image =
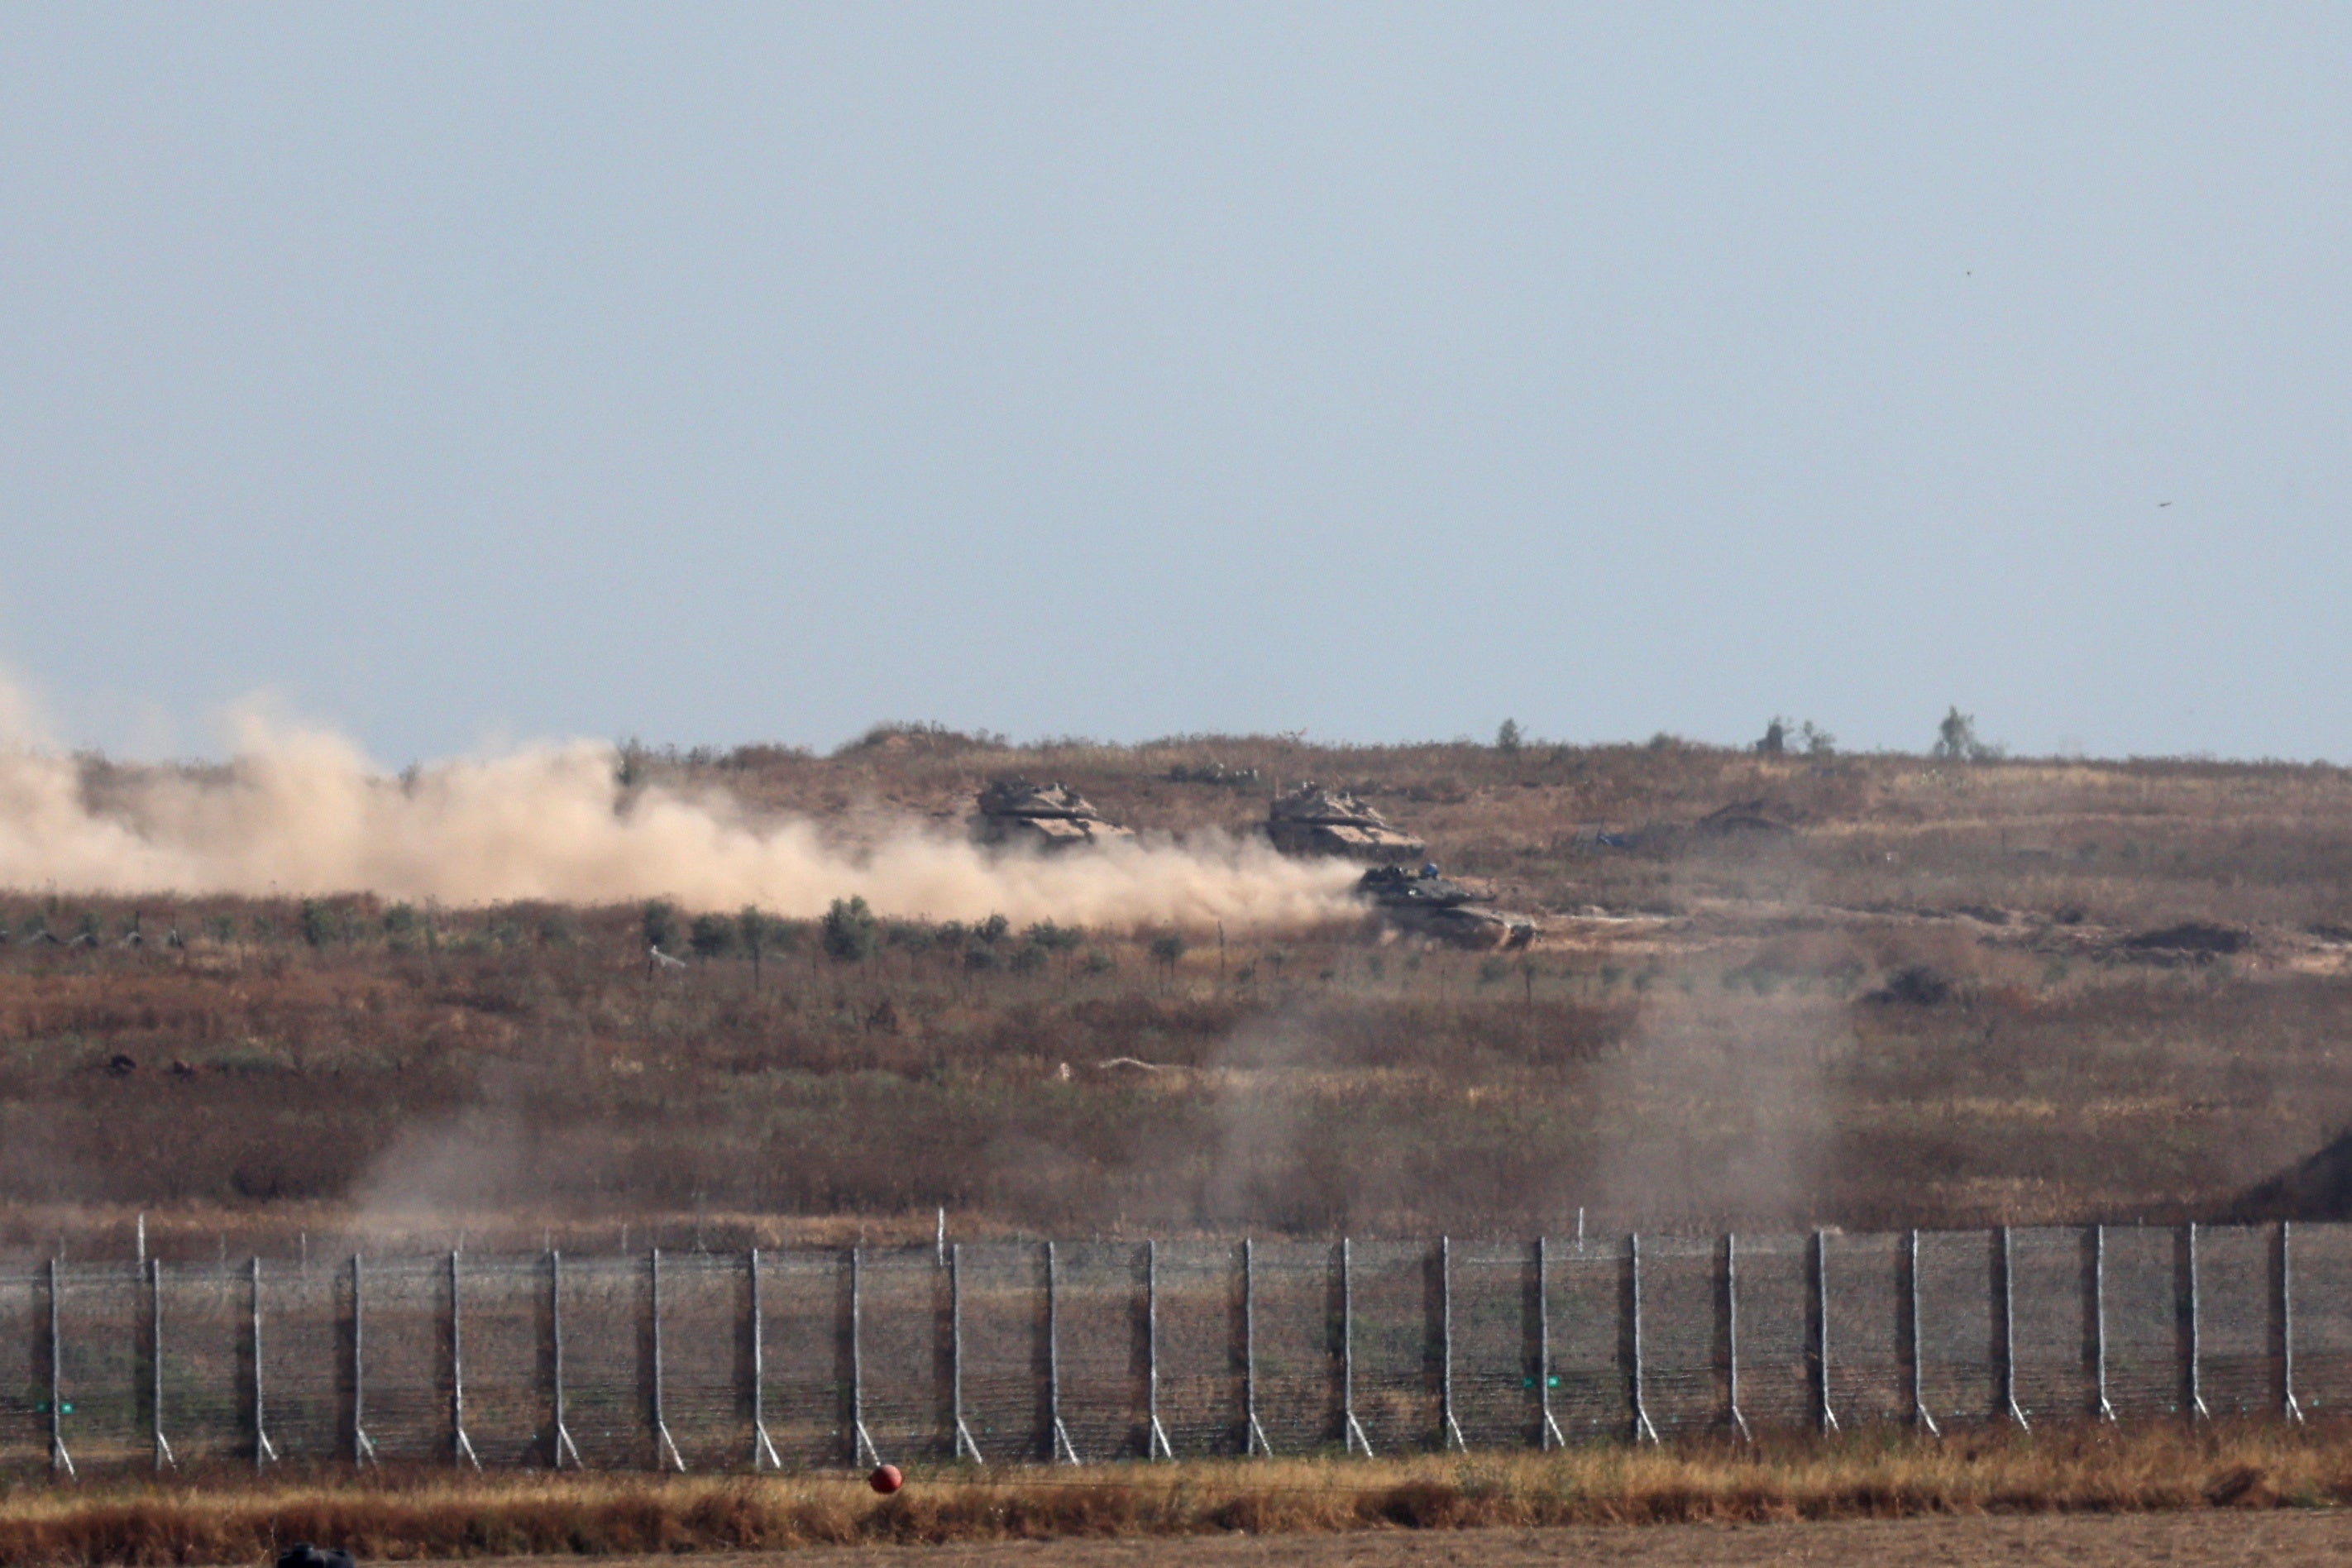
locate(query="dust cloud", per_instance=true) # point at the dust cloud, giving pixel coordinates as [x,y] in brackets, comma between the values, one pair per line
[303,812]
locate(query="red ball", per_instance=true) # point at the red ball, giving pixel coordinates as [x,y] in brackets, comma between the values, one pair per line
[885,1480]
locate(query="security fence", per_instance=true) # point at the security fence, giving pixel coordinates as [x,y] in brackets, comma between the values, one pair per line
[1006,1353]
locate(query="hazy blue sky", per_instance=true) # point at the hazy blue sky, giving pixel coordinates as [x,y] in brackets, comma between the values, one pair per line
[721,374]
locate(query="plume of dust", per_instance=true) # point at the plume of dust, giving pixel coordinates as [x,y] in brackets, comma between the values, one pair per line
[302,811]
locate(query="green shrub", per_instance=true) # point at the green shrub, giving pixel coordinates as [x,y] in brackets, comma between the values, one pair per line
[849,932]
[712,936]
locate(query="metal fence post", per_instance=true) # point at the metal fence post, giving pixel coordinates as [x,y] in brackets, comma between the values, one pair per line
[862,1451]
[461,1447]
[2197,1411]
[1352,1431]
[1731,1334]
[363,1446]
[665,1445]
[155,1360]
[2107,1412]
[1828,1420]
[1449,1430]
[1065,1452]
[2289,1408]
[265,1452]
[1252,1434]
[1155,1436]
[965,1448]
[564,1448]
[763,1449]
[1549,1437]
[60,1461]
[2015,1411]
[1920,1414]
[1642,1431]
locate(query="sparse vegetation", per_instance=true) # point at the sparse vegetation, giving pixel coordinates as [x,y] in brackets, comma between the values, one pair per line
[1717,1026]
[432,1514]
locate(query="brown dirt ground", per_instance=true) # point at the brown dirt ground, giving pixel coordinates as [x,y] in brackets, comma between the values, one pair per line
[2193,1540]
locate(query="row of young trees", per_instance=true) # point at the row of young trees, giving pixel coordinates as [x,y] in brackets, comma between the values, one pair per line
[849,932]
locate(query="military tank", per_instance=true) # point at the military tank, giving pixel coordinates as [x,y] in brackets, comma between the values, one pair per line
[1423,903]
[1042,816]
[1312,820]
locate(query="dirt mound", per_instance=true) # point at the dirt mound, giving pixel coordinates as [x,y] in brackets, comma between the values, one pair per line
[1744,817]
[1916,986]
[2196,937]
[2319,1188]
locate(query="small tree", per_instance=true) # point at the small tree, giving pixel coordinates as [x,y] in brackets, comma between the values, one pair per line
[752,935]
[1169,950]
[713,936]
[1956,740]
[1509,737]
[659,922]
[1776,737]
[1818,742]
[849,932]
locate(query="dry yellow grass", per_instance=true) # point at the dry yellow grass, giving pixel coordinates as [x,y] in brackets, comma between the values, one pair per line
[1885,1475]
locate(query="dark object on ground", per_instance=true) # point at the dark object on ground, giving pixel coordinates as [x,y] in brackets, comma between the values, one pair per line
[2318,1188]
[1916,986]
[1043,816]
[1741,817]
[122,1065]
[1312,820]
[181,1069]
[1423,903]
[1216,773]
[302,1554]
[2191,936]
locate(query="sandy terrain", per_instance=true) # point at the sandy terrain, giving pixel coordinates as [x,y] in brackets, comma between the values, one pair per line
[2187,1540]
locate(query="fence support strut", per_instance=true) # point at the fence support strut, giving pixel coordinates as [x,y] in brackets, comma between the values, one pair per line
[1821,1328]
[1450,1430]
[564,1449]
[265,1452]
[862,1451]
[363,1445]
[666,1454]
[2106,1411]
[2015,1411]
[1352,1431]
[1065,1451]
[1731,1335]
[2289,1408]
[60,1462]
[155,1363]
[1252,1434]
[461,1447]
[2197,1411]
[1643,1431]
[1155,1436]
[1549,1436]
[1920,1414]
[965,1448]
[763,1449]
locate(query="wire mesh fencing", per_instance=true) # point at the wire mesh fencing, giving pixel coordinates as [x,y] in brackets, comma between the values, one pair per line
[1007,1353]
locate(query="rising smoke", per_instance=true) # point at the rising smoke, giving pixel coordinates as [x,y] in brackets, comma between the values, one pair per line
[302,811]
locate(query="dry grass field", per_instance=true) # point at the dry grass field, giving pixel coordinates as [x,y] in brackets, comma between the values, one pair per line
[1939,993]
[2279,1487]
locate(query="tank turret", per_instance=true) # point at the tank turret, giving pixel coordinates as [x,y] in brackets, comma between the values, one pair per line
[1043,816]
[1423,903]
[1312,820]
